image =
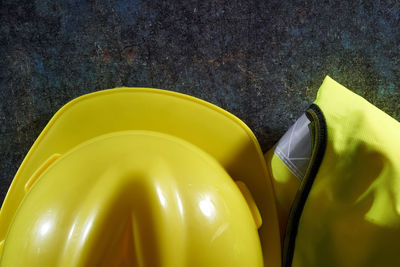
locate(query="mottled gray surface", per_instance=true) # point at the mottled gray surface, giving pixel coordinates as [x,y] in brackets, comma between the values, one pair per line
[262,61]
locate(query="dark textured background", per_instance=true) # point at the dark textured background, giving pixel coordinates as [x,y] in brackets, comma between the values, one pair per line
[262,61]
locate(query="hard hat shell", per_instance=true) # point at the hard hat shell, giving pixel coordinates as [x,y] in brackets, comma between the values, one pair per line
[111,119]
[133,199]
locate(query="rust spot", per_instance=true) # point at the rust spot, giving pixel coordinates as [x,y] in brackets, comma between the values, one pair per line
[101,54]
[213,62]
[106,55]
[247,74]
[302,11]
[242,69]
[130,53]
[198,60]
[227,58]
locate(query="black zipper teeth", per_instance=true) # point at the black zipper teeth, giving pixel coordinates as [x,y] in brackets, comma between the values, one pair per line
[301,197]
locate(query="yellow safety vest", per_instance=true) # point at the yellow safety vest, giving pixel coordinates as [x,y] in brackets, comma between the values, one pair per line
[339,205]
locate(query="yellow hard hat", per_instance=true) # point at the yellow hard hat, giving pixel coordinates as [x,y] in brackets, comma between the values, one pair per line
[141,177]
